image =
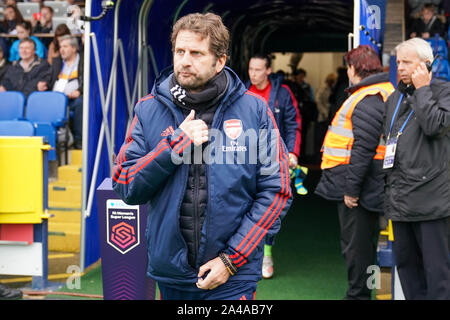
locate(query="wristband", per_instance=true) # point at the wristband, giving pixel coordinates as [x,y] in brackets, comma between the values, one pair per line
[228,264]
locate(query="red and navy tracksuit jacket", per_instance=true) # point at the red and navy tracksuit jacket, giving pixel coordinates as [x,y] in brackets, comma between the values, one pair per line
[284,107]
[243,204]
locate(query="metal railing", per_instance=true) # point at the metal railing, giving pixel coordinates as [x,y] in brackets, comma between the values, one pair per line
[109,101]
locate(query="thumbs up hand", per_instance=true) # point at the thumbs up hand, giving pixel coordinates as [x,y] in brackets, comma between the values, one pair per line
[196,130]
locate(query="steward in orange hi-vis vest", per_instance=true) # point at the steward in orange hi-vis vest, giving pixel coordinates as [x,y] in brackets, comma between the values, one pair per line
[352,165]
[338,142]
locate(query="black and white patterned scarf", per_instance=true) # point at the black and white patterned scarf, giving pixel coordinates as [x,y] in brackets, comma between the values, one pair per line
[211,94]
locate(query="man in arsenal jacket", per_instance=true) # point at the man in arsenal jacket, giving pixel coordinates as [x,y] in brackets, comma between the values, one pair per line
[207,156]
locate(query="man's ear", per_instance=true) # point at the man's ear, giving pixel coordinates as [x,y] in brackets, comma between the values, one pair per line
[429,66]
[220,63]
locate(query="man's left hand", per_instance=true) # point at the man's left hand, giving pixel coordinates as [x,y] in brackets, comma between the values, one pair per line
[421,77]
[42,86]
[218,274]
[350,201]
[74,94]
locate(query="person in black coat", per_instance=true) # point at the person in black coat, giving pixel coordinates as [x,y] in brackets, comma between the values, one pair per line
[428,24]
[28,74]
[67,77]
[417,192]
[356,183]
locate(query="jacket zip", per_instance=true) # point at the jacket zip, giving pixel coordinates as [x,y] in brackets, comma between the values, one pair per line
[186,177]
[196,212]
[219,114]
[217,118]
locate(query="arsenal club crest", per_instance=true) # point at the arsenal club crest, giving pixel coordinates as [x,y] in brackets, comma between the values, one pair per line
[233,128]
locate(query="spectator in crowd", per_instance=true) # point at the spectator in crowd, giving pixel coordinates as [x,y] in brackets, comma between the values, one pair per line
[323,109]
[28,74]
[417,192]
[53,49]
[12,18]
[44,24]
[24,32]
[352,173]
[208,218]
[284,106]
[67,76]
[415,6]
[3,64]
[428,24]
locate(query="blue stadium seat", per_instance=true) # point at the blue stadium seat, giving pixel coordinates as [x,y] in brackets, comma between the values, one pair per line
[16,128]
[48,112]
[12,105]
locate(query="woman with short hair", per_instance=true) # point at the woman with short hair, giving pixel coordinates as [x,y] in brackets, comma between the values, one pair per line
[352,165]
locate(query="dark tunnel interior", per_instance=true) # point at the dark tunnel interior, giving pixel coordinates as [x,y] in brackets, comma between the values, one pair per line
[284,26]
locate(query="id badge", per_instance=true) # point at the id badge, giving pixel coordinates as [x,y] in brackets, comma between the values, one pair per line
[389,157]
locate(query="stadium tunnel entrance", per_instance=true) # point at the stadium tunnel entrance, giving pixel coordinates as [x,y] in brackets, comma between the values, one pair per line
[130,45]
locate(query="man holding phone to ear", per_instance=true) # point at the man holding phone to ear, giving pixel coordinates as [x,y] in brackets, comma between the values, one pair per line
[417,191]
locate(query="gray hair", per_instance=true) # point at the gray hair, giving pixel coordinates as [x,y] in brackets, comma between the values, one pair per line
[422,48]
[73,40]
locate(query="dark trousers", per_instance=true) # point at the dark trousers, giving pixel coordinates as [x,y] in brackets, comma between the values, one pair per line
[359,234]
[76,108]
[421,252]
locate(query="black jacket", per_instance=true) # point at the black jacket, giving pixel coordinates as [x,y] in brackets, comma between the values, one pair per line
[56,67]
[433,27]
[18,79]
[363,176]
[417,187]
[192,213]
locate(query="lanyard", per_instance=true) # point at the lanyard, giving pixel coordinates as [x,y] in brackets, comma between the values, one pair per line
[393,118]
